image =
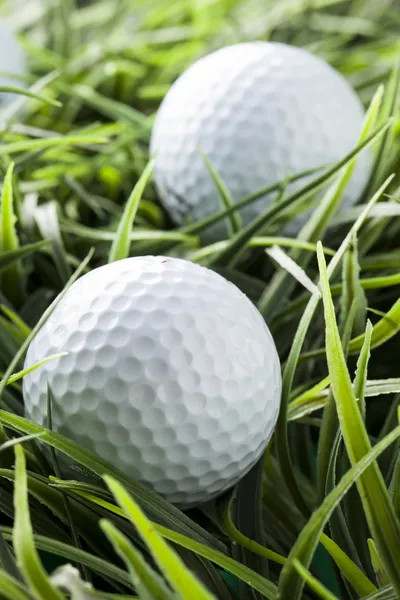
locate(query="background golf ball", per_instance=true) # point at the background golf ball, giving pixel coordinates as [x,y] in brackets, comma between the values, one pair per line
[12,61]
[171,375]
[260,111]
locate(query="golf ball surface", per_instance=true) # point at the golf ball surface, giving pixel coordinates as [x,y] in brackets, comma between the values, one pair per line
[12,61]
[260,111]
[171,375]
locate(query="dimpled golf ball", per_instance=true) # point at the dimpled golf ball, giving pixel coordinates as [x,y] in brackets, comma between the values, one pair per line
[260,112]
[12,61]
[171,375]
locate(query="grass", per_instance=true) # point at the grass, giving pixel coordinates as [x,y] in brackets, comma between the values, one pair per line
[76,193]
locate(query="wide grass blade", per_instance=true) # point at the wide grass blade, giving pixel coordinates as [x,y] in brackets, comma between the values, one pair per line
[174,570]
[347,567]
[24,547]
[145,580]
[378,508]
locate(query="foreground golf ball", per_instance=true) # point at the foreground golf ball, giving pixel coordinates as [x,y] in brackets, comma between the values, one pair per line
[171,375]
[260,111]
[12,62]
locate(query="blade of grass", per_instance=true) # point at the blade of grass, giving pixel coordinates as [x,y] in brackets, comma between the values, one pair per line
[7,560]
[313,583]
[21,374]
[174,570]
[11,589]
[144,579]
[42,320]
[14,318]
[9,257]
[290,584]
[24,547]
[233,220]
[347,567]
[12,279]
[377,564]
[55,142]
[120,246]
[24,92]
[378,508]
[281,433]
[99,565]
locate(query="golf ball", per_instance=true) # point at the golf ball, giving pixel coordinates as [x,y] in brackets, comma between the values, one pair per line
[12,62]
[171,375]
[260,112]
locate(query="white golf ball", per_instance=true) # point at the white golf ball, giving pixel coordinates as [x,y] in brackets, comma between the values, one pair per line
[171,375]
[12,62]
[260,111]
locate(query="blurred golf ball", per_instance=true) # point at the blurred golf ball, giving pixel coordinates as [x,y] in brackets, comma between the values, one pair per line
[12,62]
[260,111]
[171,375]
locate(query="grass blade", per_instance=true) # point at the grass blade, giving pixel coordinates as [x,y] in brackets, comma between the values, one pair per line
[120,246]
[12,280]
[42,320]
[233,221]
[281,433]
[290,585]
[378,508]
[21,374]
[179,577]
[145,580]
[9,257]
[11,589]
[25,551]
[314,584]
[53,546]
[7,560]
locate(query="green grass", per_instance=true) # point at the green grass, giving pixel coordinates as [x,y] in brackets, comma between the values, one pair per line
[76,193]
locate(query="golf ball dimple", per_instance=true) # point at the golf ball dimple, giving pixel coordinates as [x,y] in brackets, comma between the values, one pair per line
[12,61]
[260,111]
[180,391]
